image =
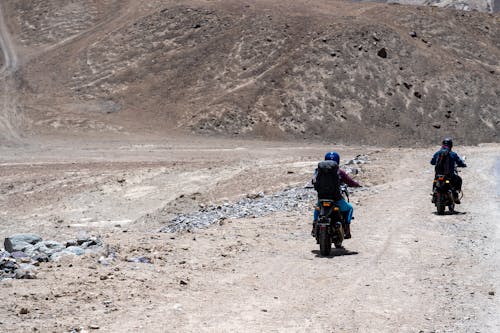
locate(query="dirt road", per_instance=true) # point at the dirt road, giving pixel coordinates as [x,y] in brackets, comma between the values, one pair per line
[405,270]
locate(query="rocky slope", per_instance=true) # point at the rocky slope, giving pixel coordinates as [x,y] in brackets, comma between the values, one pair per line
[350,72]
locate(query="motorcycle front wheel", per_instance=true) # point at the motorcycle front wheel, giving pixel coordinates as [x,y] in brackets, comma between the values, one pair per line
[339,238]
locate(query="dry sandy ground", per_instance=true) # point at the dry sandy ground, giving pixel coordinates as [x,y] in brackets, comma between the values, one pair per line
[405,270]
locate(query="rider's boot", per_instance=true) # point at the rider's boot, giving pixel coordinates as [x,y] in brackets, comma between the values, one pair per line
[347,231]
[456,199]
[313,231]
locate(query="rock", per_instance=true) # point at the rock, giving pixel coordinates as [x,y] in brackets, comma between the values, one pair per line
[92,243]
[382,53]
[417,94]
[436,125]
[71,242]
[413,34]
[94,327]
[4,254]
[25,271]
[24,311]
[491,293]
[255,195]
[19,241]
[407,85]
[183,283]
[18,255]
[49,247]
[141,259]
[86,242]
[42,257]
[70,251]
[76,250]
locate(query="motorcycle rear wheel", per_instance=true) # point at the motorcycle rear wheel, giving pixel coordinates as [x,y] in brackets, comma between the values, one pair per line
[325,243]
[440,208]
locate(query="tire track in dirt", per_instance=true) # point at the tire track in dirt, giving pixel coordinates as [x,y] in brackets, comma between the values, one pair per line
[9,117]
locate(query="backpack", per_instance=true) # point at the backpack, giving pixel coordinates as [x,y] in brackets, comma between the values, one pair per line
[327,182]
[443,163]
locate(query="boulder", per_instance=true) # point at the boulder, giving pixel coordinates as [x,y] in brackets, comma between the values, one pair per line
[25,271]
[19,242]
[70,251]
[49,247]
[76,250]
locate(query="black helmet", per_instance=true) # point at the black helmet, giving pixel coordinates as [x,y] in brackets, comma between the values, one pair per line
[448,142]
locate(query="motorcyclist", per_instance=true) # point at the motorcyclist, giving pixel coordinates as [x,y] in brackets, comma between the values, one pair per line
[344,206]
[453,161]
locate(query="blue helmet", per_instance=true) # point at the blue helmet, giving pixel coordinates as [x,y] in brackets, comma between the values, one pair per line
[332,156]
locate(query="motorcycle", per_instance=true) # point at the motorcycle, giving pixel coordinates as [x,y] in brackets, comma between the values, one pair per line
[330,226]
[442,194]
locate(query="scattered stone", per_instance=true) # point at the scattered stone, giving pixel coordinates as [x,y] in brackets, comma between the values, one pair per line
[183,283]
[491,293]
[417,94]
[413,34]
[86,242]
[18,255]
[436,125]
[20,264]
[48,247]
[76,250]
[71,242]
[382,53]
[289,199]
[24,311]
[407,85]
[41,257]
[19,242]
[255,195]
[94,327]
[25,271]
[359,159]
[141,259]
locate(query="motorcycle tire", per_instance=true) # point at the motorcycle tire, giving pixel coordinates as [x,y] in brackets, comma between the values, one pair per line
[440,208]
[340,238]
[451,208]
[325,243]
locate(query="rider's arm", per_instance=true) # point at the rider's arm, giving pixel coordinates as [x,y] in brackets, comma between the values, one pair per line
[459,161]
[344,178]
[313,180]
[434,158]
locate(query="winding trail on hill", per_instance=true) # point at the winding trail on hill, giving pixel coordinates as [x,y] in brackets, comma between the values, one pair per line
[9,118]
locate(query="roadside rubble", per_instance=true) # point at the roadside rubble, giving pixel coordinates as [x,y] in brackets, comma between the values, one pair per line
[252,206]
[256,204]
[24,252]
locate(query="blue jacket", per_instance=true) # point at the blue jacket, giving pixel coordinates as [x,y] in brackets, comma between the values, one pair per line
[455,160]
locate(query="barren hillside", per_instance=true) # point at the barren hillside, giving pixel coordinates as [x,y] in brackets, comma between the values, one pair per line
[350,72]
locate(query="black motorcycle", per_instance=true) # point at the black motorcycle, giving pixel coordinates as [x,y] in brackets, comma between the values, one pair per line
[330,226]
[442,194]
